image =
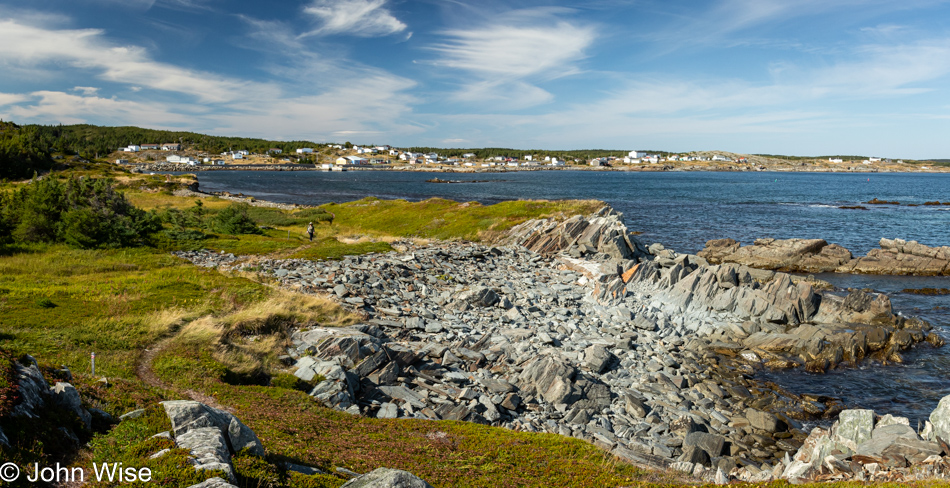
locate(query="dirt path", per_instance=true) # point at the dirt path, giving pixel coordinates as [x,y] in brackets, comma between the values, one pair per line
[145,373]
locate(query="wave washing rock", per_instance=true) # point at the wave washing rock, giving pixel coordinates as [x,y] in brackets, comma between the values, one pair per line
[588,334]
[895,257]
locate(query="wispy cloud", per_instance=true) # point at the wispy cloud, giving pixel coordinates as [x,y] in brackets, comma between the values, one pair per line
[361,18]
[309,97]
[86,90]
[87,49]
[510,52]
[11,98]
[67,108]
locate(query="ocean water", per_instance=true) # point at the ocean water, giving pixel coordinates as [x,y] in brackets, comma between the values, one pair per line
[683,210]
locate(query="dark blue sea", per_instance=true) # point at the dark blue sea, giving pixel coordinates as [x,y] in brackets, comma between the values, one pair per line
[683,210]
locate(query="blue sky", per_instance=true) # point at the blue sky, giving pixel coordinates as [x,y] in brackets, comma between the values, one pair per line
[802,77]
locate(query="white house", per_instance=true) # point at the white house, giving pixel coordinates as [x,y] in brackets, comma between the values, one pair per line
[171,146]
[121,161]
[304,150]
[237,155]
[218,162]
[835,160]
[468,155]
[393,152]
[131,148]
[650,159]
[432,156]
[352,160]
[717,157]
[637,154]
[275,150]
[513,164]
[874,160]
[558,163]
[173,158]
[597,162]
[528,157]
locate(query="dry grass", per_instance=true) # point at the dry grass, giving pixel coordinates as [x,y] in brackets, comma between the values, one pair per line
[249,340]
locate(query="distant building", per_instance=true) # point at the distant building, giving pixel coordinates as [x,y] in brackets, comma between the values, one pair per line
[121,161]
[468,155]
[638,154]
[352,160]
[171,146]
[274,150]
[304,150]
[131,148]
[146,147]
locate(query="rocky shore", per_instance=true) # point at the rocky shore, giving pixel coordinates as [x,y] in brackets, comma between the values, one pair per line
[575,327]
[895,257]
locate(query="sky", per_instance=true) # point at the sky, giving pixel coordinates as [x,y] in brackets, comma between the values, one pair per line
[796,77]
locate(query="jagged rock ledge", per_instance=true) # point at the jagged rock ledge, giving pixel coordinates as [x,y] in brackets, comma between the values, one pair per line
[574,327]
[212,436]
[895,257]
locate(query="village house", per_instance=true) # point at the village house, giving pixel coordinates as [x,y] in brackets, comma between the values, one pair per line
[171,146]
[352,160]
[718,157]
[637,154]
[468,155]
[274,150]
[121,161]
[304,150]
[130,148]
[146,147]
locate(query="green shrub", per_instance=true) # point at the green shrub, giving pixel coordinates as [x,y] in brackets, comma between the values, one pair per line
[288,381]
[81,212]
[234,219]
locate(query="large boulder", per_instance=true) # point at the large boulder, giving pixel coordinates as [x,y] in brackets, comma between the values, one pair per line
[940,418]
[855,425]
[32,388]
[387,478]
[65,396]
[186,415]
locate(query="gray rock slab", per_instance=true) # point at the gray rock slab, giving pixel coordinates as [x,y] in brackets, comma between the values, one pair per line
[387,478]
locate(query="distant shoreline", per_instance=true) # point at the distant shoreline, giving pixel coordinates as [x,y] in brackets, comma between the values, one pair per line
[184,168]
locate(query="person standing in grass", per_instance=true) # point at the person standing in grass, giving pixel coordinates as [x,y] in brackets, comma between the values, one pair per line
[310,231]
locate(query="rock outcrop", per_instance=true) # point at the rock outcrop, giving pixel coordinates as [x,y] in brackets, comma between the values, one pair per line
[895,257]
[575,328]
[212,435]
[387,478]
[864,446]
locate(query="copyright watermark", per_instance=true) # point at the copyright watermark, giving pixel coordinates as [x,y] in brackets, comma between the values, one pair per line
[9,472]
[113,472]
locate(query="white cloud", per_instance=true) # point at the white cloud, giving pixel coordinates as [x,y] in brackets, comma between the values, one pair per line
[23,45]
[509,53]
[513,50]
[11,98]
[362,18]
[48,107]
[86,90]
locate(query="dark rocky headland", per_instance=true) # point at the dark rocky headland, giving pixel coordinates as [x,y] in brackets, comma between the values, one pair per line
[575,327]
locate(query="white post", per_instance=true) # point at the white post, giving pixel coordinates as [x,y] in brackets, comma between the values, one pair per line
[93,364]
